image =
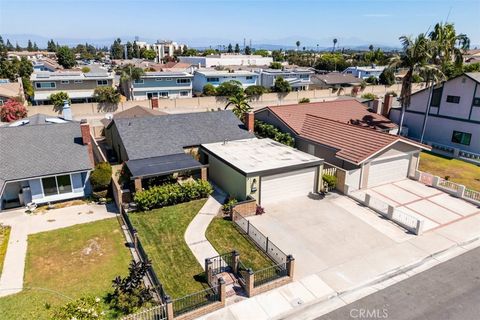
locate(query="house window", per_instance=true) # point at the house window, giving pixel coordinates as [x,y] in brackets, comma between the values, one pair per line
[56,185]
[164,94]
[476,102]
[183,81]
[461,137]
[64,184]
[151,95]
[40,85]
[65,82]
[436,97]
[168,79]
[249,77]
[213,79]
[453,99]
[78,81]
[102,82]
[183,93]
[158,79]
[138,81]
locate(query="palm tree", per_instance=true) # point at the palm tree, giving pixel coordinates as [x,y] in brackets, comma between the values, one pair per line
[334,43]
[130,73]
[298,44]
[240,104]
[449,47]
[415,58]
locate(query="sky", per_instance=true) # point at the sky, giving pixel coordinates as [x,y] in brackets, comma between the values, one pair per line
[212,22]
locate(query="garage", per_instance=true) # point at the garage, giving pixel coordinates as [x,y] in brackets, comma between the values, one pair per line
[388,170]
[287,185]
[262,169]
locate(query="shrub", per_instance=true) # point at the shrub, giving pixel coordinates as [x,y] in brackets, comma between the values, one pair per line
[86,70]
[172,193]
[330,180]
[58,98]
[282,86]
[12,110]
[259,210]
[228,206]
[393,93]
[209,90]
[106,95]
[86,308]
[387,77]
[255,91]
[369,96]
[372,80]
[230,88]
[304,100]
[266,130]
[276,65]
[101,176]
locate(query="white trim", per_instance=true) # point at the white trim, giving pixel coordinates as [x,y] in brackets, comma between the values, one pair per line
[388,146]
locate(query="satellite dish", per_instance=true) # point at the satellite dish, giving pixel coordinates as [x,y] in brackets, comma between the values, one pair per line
[109,116]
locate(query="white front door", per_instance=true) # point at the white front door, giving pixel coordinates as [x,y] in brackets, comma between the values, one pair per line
[283,186]
[388,170]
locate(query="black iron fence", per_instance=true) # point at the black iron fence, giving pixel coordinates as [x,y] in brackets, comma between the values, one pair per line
[195,301]
[270,274]
[222,263]
[154,313]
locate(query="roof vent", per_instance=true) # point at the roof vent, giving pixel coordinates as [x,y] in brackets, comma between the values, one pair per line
[66,111]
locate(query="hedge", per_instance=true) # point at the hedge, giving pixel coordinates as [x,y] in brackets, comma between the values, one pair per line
[101,176]
[266,130]
[171,194]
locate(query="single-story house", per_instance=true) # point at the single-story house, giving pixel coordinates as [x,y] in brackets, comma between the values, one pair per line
[44,159]
[133,112]
[163,145]
[262,169]
[364,157]
[334,80]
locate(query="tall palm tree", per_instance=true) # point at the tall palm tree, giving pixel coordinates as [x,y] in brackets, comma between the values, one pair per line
[240,104]
[416,57]
[298,45]
[334,44]
[449,47]
[128,74]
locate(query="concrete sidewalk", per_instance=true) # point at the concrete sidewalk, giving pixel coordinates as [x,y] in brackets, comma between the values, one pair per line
[195,233]
[11,280]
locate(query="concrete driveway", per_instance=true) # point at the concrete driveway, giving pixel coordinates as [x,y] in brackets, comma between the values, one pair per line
[436,207]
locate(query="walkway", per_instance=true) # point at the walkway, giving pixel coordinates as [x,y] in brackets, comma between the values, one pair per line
[195,233]
[11,280]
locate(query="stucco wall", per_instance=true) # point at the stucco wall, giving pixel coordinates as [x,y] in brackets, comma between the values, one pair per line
[228,179]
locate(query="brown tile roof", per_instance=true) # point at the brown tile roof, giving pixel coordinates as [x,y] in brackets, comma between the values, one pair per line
[346,111]
[354,144]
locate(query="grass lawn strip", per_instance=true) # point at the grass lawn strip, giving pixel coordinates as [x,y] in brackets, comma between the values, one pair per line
[161,232]
[4,235]
[224,237]
[458,171]
[67,264]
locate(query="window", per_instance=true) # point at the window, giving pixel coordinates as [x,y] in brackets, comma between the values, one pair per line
[476,102]
[40,85]
[461,138]
[64,184]
[138,81]
[453,99]
[249,77]
[102,82]
[65,82]
[183,93]
[213,79]
[151,95]
[164,94]
[183,81]
[78,81]
[158,79]
[436,97]
[168,79]
[49,186]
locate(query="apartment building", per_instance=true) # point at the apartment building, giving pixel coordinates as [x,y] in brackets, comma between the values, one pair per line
[161,85]
[299,78]
[217,77]
[227,59]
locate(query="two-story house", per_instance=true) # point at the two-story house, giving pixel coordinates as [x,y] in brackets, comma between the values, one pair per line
[79,86]
[162,85]
[365,72]
[450,120]
[299,79]
[217,77]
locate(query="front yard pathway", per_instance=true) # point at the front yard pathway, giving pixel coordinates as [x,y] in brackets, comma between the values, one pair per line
[195,233]
[11,280]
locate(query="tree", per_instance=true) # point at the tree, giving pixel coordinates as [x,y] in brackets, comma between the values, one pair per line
[51,47]
[25,68]
[297,44]
[230,88]
[29,46]
[12,110]
[282,86]
[248,51]
[136,50]
[66,57]
[262,52]
[58,99]
[334,44]
[209,90]
[86,69]
[35,47]
[276,65]
[128,74]
[149,54]
[387,77]
[372,80]
[240,104]
[237,48]
[17,47]
[9,46]
[101,176]
[129,50]
[370,47]
[106,94]
[230,48]
[255,91]
[116,50]
[27,88]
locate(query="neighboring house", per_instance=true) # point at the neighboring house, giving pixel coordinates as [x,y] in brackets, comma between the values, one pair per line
[333,80]
[11,90]
[365,72]
[31,55]
[44,159]
[133,112]
[226,59]
[165,49]
[299,79]
[46,64]
[262,169]
[78,85]
[453,121]
[161,85]
[364,157]
[168,144]
[202,77]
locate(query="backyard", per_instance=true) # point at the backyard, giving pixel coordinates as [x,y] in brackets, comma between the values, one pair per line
[4,235]
[224,237]
[457,170]
[78,261]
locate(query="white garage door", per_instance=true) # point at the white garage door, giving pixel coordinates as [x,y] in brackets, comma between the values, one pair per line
[389,170]
[280,187]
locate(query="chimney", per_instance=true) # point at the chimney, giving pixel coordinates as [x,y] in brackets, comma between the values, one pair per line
[67,111]
[87,139]
[377,106]
[250,121]
[387,104]
[154,103]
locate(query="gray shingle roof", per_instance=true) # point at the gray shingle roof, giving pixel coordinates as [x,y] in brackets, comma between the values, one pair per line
[39,150]
[169,134]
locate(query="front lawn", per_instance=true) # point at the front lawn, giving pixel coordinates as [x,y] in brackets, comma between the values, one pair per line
[161,233]
[224,237]
[66,264]
[457,170]
[4,235]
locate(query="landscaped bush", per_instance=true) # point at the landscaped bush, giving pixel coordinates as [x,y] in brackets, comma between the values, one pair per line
[304,100]
[101,176]
[172,193]
[266,130]
[330,180]
[369,96]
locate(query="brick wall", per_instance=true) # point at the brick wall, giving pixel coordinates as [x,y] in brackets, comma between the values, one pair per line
[271,285]
[201,311]
[246,208]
